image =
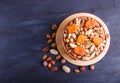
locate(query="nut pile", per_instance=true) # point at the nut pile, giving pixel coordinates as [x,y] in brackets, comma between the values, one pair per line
[50,61]
[84,38]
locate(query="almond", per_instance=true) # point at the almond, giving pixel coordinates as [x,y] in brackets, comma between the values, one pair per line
[49,65]
[63,60]
[92,67]
[45,49]
[82,68]
[54,27]
[53,68]
[49,58]
[58,57]
[52,61]
[48,36]
[50,41]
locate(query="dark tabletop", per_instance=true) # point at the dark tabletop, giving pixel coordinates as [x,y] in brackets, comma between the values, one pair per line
[23,25]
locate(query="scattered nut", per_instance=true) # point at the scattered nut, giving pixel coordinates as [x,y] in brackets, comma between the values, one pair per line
[53,51]
[52,61]
[45,49]
[63,60]
[53,45]
[82,68]
[76,70]
[45,63]
[54,27]
[49,58]
[92,67]
[85,58]
[48,36]
[66,69]
[49,65]
[44,57]
[53,68]
[58,57]
[53,35]
[50,41]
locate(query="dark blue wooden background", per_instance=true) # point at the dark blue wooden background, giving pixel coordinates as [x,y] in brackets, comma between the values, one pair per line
[23,25]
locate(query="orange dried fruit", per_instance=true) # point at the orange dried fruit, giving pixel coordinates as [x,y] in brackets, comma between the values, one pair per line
[79,50]
[97,40]
[81,39]
[91,24]
[72,28]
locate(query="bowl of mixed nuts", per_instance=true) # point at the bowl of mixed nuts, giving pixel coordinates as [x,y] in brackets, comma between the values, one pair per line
[83,39]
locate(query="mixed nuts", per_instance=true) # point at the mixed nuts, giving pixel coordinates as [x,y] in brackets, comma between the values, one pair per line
[84,38]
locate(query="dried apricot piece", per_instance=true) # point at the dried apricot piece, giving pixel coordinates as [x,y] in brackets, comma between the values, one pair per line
[91,23]
[81,39]
[97,40]
[79,50]
[72,28]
